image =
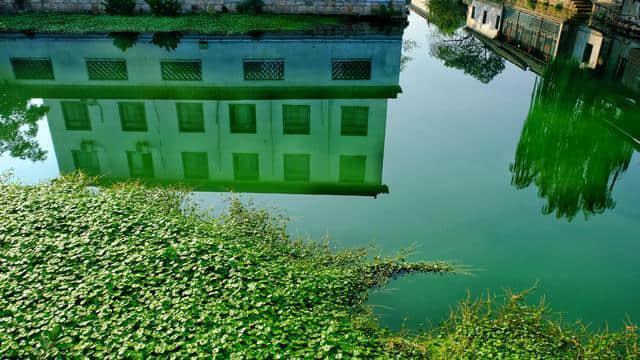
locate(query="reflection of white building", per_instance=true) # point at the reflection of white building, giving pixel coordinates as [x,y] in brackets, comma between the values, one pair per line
[303,114]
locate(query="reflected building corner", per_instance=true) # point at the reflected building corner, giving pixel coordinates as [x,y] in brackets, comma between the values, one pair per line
[287,114]
[533,33]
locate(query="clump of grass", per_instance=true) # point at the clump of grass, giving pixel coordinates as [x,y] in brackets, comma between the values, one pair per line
[485,329]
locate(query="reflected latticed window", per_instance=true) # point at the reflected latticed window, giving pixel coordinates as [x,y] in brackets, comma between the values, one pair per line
[132,116]
[195,165]
[32,69]
[107,69]
[190,117]
[75,115]
[242,118]
[351,69]
[352,168]
[354,121]
[245,167]
[264,69]
[181,70]
[86,161]
[296,119]
[140,164]
[296,167]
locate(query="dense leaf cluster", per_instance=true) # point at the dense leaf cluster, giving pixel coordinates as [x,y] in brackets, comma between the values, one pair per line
[127,272]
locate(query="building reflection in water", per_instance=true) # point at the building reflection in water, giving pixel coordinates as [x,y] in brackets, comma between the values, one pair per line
[583,125]
[287,114]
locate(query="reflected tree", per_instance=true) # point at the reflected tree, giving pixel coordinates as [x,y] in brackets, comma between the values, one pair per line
[19,126]
[447,15]
[167,40]
[124,40]
[566,147]
[408,45]
[464,51]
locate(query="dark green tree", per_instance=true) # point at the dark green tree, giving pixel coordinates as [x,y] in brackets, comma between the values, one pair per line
[567,148]
[19,126]
[124,40]
[463,51]
[447,15]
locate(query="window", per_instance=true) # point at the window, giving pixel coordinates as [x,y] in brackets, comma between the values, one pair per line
[195,165]
[140,164]
[473,12]
[242,118]
[190,117]
[245,167]
[352,168]
[484,17]
[296,119]
[107,69]
[86,161]
[76,115]
[354,121]
[498,22]
[132,116]
[621,66]
[296,167]
[32,69]
[264,69]
[181,70]
[351,69]
[586,55]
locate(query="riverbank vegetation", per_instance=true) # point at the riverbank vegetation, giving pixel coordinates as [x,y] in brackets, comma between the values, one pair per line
[129,271]
[226,23]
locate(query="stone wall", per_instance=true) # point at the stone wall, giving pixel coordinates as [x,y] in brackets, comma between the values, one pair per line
[316,7]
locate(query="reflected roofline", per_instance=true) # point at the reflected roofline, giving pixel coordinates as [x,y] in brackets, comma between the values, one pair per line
[181,92]
[313,188]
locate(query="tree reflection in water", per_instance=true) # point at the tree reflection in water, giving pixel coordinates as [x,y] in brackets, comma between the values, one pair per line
[19,126]
[567,147]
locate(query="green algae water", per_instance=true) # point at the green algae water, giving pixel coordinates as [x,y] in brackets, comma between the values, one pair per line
[385,139]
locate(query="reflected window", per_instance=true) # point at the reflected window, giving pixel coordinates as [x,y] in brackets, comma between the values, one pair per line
[86,161]
[190,117]
[296,119]
[263,69]
[76,115]
[195,165]
[352,168]
[473,12]
[132,116]
[107,69]
[181,70]
[354,121]
[351,69]
[498,22]
[242,118]
[296,167]
[586,54]
[484,17]
[245,167]
[32,69]
[140,164]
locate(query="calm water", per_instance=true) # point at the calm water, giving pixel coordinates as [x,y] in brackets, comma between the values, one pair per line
[367,139]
